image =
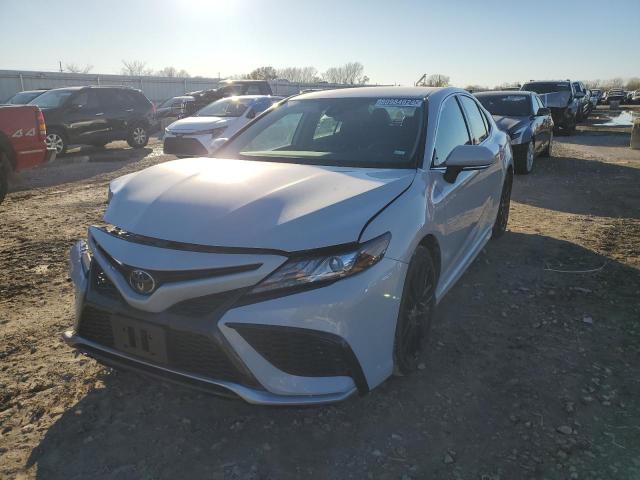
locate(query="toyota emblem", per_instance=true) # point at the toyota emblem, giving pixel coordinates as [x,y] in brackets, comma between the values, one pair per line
[142,282]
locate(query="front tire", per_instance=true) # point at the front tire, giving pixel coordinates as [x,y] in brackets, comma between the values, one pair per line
[524,158]
[502,219]
[57,140]
[416,311]
[138,137]
[549,150]
[5,171]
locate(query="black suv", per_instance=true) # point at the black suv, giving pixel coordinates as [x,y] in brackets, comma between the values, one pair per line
[96,116]
[229,88]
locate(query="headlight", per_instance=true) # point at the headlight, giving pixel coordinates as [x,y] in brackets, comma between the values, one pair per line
[214,132]
[314,269]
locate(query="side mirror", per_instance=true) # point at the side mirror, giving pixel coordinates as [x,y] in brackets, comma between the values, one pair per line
[251,113]
[217,143]
[467,157]
[579,95]
[543,112]
[74,107]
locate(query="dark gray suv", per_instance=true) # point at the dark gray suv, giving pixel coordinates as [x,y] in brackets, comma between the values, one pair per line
[96,116]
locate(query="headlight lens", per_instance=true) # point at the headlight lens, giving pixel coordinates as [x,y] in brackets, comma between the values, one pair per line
[298,272]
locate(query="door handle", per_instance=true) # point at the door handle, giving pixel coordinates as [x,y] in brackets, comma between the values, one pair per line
[129,110]
[99,114]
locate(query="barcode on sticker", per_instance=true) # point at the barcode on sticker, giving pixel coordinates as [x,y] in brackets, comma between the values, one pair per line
[398,102]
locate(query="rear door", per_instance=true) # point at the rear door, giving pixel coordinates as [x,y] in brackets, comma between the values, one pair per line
[85,116]
[119,110]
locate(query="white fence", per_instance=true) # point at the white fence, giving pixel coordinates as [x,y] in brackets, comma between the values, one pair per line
[155,88]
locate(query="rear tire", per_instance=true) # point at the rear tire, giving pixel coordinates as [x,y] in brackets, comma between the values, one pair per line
[502,218]
[138,137]
[416,312]
[524,157]
[56,139]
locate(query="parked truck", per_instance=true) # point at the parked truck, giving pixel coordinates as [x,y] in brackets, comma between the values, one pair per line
[22,141]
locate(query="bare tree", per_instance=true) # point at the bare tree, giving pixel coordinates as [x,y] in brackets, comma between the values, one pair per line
[135,68]
[616,82]
[299,74]
[73,68]
[350,73]
[506,85]
[437,80]
[593,84]
[633,83]
[263,73]
[172,72]
[168,72]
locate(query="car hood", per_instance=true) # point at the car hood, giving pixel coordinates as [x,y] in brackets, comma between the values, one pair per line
[510,124]
[250,204]
[194,124]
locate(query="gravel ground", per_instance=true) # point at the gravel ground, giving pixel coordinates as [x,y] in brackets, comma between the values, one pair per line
[531,373]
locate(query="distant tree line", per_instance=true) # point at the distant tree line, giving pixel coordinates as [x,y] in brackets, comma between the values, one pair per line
[351,73]
[137,68]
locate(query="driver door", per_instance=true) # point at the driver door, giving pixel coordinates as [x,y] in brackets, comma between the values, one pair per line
[459,208]
[86,118]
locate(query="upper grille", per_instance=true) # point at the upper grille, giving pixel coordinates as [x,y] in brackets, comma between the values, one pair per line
[167,276]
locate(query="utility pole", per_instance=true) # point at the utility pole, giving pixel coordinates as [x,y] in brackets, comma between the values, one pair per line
[60,62]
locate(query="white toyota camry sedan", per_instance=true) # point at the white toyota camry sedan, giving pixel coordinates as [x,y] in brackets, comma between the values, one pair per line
[303,263]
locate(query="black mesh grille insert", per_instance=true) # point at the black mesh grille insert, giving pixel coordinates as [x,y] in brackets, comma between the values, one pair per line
[95,325]
[183,146]
[198,354]
[300,351]
[191,352]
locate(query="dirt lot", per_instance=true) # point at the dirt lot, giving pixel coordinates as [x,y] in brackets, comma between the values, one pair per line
[532,370]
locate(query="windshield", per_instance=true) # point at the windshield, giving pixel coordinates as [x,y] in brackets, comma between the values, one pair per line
[23,98]
[547,87]
[227,107]
[506,105]
[356,132]
[52,98]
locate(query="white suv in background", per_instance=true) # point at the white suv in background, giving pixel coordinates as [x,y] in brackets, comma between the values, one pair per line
[194,136]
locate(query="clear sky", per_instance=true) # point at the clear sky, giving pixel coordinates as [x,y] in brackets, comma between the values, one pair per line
[484,42]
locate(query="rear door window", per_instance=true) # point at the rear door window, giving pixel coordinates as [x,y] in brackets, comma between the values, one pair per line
[452,131]
[477,123]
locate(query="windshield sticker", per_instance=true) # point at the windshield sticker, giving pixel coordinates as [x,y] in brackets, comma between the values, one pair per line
[398,102]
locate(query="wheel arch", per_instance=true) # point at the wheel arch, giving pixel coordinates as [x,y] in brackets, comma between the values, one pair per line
[430,242]
[7,148]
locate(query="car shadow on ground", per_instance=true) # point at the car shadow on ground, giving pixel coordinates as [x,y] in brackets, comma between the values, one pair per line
[567,184]
[509,343]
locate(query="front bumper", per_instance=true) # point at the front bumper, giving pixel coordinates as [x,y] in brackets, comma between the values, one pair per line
[187,145]
[313,347]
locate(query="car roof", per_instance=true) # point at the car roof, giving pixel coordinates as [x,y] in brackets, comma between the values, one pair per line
[549,81]
[372,92]
[504,92]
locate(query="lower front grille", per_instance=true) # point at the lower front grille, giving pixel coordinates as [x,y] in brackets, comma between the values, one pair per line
[303,352]
[183,146]
[199,354]
[187,351]
[95,325]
